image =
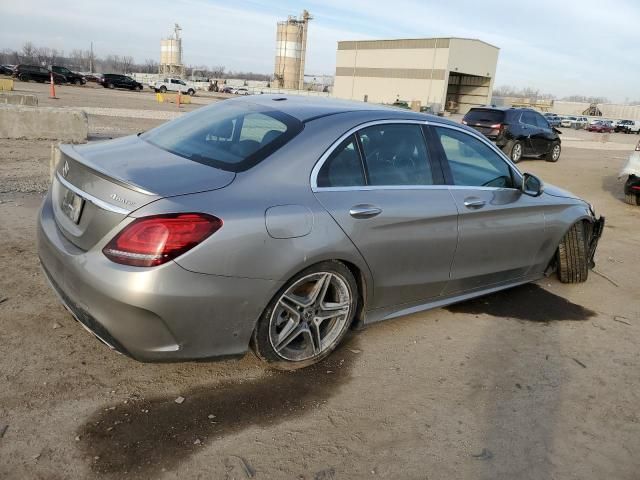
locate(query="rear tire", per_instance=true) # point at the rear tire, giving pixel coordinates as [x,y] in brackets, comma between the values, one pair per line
[163,89]
[571,257]
[553,155]
[513,149]
[111,86]
[23,78]
[78,82]
[191,92]
[289,334]
[632,199]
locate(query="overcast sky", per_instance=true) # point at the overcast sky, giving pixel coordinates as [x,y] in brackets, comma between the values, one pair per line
[562,47]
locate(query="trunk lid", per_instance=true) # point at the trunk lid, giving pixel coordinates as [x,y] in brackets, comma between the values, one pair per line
[103,182]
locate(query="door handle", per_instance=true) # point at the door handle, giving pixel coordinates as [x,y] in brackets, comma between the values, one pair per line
[364,211]
[474,202]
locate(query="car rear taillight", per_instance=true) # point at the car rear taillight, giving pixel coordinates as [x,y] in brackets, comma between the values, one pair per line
[496,126]
[151,241]
[464,122]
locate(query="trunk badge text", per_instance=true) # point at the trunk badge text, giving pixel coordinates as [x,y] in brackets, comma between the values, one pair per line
[118,198]
[65,169]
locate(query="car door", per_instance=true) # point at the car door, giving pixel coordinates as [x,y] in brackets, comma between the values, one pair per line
[501,230]
[532,133]
[544,136]
[387,195]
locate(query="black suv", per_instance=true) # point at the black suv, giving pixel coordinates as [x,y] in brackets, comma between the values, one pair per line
[519,132]
[115,80]
[39,74]
[69,76]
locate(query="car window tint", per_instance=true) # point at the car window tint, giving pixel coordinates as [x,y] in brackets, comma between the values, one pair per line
[528,118]
[541,121]
[343,168]
[472,162]
[395,154]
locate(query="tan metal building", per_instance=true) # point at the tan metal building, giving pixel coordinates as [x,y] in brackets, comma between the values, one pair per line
[451,74]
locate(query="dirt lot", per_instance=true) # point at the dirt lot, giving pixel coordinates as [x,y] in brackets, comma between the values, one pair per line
[538,382]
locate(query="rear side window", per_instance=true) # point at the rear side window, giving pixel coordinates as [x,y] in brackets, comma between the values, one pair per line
[226,135]
[473,163]
[484,115]
[343,168]
[395,154]
[541,121]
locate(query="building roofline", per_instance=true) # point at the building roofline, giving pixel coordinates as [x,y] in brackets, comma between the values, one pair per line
[419,38]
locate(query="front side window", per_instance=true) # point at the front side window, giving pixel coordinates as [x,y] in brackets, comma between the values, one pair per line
[395,154]
[343,168]
[472,162]
[228,136]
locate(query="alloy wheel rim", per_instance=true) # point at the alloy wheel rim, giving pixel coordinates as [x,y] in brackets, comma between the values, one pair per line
[517,151]
[309,316]
[556,152]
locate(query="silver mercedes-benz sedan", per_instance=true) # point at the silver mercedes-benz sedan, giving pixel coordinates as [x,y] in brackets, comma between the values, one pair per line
[279,222]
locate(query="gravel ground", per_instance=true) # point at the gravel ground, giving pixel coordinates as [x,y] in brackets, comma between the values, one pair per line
[537,382]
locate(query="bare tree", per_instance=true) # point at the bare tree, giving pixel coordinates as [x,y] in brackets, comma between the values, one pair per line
[150,66]
[126,62]
[28,53]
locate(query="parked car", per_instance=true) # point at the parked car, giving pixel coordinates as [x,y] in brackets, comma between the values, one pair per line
[600,126]
[115,80]
[632,173]
[629,126]
[69,76]
[519,132]
[241,91]
[227,89]
[93,77]
[172,85]
[580,123]
[620,125]
[6,70]
[568,121]
[26,73]
[278,222]
[553,119]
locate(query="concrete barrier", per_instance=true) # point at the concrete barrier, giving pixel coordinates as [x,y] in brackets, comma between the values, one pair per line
[172,98]
[63,124]
[6,84]
[19,99]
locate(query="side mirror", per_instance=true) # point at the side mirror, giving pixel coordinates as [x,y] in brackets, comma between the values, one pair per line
[532,185]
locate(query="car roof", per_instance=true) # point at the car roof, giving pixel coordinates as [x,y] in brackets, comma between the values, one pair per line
[307,108]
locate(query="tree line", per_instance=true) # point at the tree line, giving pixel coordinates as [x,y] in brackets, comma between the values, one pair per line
[86,61]
[532,93]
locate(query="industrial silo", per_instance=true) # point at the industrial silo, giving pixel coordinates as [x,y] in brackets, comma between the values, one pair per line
[291,45]
[171,54]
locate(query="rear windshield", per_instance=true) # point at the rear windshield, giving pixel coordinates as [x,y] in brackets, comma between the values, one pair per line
[483,115]
[228,135]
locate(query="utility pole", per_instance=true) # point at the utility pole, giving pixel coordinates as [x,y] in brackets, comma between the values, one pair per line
[91,59]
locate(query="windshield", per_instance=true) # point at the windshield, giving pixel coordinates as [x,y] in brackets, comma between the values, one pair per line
[227,135]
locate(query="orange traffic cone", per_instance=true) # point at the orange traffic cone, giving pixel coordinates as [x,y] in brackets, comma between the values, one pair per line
[52,89]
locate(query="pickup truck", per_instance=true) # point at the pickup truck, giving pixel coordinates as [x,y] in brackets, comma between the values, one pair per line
[631,126]
[171,85]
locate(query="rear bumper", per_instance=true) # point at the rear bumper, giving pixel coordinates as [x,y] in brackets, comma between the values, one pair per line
[163,313]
